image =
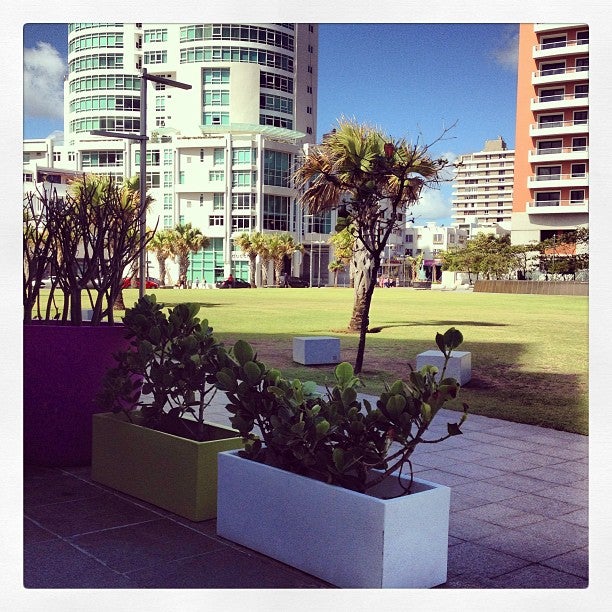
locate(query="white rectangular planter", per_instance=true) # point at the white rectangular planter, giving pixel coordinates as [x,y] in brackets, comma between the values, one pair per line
[316,350]
[459,365]
[349,539]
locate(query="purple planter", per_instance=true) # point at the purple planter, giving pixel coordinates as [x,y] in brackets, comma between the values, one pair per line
[63,367]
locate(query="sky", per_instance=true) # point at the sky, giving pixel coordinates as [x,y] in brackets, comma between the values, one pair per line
[410,80]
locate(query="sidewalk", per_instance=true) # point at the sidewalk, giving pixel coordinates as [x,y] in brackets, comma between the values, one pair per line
[518,520]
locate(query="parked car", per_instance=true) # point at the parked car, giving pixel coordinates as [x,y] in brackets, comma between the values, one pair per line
[295,281]
[151,283]
[238,284]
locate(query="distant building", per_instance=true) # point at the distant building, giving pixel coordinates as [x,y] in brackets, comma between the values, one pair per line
[482,196]
[551,186]
[219,155]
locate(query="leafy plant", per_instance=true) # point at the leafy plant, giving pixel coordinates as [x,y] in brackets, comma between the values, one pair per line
[335,437]
[169,371]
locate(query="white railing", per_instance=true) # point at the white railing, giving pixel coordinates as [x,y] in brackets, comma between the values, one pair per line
[557,124]
[558,150]
[558,177]
[563,98]
[560,44]
[558,204]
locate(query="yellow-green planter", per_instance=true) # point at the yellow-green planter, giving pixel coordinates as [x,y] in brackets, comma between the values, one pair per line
[171,472]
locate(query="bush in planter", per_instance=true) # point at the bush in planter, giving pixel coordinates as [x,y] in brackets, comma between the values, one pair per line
[338,438]
[173,359]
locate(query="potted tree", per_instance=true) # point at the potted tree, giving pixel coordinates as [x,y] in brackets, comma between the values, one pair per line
[82,242]
[322,478]
[156,444]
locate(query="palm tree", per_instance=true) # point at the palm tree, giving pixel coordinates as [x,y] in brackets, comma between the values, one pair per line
[336,267]
[281,246]
[261,243]
[372,179]
[184,240]
[160,245]
[247,243]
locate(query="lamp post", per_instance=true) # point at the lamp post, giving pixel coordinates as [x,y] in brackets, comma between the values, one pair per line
[142,138]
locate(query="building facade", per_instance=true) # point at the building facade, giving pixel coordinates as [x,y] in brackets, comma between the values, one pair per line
[551,186]
[221,154]
[483,187]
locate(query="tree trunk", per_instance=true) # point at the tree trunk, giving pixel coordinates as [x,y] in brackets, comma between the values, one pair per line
[366,268]
[264,272]
[119,303]
[252,264]
[161,262]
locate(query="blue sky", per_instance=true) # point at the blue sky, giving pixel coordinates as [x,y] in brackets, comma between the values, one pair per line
[409,79]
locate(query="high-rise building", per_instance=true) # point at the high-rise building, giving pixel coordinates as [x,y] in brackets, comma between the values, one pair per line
[551,171]
[219,155]
[482,196]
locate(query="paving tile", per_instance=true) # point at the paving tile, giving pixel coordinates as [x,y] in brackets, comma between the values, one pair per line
[562,452]
[528,502]
[540,577]
[33,533]
[473,471]
[537,458]
[461,501]
[525,546]
[492,450]
[466,581]
[442,477]
[464,453]
[519,482]
[469,528]
[89,514]
[579,468]
[502,515]
[573,562]
[556,529]
[486,490]
[572,495]
[56,564]
[578,517]
[507,463]
[225,568]
[474,560]
[144,545]
[552,474]
[55,487]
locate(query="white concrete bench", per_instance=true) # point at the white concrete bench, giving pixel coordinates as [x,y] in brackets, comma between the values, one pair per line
[316,350]
[459,365]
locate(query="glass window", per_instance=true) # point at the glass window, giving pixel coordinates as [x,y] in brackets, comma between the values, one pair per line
[218,201]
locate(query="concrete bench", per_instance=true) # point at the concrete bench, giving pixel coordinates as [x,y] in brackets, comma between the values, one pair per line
[316,350]
[459,365]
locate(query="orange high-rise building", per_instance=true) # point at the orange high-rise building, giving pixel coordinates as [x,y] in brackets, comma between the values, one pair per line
[551,166]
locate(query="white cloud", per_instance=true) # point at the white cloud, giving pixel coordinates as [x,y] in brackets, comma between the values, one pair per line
[506,52]
[433,205]
[43,82]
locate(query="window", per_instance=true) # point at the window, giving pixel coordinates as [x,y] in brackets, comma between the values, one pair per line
[216,75]
[548,173]
[215,220]
[167,157]
[243,179]
[243,201]
[102,158]
[549,68]
[275,81]
[168,181]
[552,42]
[216,176]
[168,201]
[578,170]
[241,156]
[276,168]
[282,122]
[409,237]
[581,117]
[582,38]
[548,198]
[275,212]
[273,102]
[579,144]
[158,35]
[581,91]
[218,157]
[155,57]
[320,224]
[216,97]
[547,121]
[576,196]
[242,223]
[549,146]
[438,238]
[216,118]
[167,221]
[582,64]
[549,95]
[160,103]
[218,201]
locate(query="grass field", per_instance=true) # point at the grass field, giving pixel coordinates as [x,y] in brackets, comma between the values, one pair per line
[529,352]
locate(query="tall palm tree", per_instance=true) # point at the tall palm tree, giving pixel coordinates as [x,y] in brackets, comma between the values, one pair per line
[160,245]
[247,243]
[372,179]
[281,246]
[184,240]
[261,243]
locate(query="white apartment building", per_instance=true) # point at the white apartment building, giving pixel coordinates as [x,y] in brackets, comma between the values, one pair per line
[219,155]
[483,188]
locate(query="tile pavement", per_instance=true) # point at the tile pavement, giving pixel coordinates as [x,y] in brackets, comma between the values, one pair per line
[519,520]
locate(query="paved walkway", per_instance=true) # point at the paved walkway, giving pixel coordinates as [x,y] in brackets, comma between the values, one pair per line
[518,520]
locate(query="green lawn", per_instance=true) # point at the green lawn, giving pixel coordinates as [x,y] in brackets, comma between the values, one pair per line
[529,352]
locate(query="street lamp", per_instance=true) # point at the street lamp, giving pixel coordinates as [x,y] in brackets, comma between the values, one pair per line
[142,138]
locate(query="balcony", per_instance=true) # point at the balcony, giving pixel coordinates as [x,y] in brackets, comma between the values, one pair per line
[559,127]
[570,47]
[558,154]
[554,102]
[557,181]
[558,207]
[560,75]
[551,27]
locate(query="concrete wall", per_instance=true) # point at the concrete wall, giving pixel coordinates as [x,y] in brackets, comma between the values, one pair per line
[535,287]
